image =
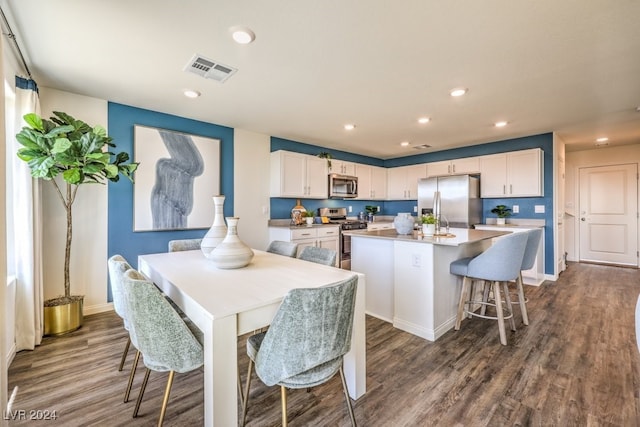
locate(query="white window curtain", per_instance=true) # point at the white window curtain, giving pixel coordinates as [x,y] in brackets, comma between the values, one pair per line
[27,227]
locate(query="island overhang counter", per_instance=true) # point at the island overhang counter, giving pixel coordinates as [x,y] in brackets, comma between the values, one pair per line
[408,279]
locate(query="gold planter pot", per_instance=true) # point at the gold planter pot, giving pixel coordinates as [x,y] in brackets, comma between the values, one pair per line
[62,319]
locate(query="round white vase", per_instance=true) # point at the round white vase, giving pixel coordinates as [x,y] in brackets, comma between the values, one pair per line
[403,223]
[231,252]
[218,230]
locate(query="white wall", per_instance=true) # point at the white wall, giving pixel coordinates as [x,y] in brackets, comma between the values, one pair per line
[251,153]
[588,158]
[89,245]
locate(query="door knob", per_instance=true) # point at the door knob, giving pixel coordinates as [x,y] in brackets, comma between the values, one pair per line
[582,219]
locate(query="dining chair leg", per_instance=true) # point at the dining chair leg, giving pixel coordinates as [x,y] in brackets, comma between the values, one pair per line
[144,386]
[246,394]
[500,314]
[124,354]
[507,298]
[283,398]
[522,300]
[131,375]
[346,396]
[165,400]
[463,301]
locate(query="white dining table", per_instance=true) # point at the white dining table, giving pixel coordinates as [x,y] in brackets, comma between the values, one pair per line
[227,303]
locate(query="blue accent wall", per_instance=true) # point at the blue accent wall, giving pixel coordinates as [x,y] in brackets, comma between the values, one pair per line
[281,207]
[121,237]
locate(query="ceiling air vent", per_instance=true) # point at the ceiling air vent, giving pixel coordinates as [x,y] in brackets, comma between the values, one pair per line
[421,147]
[209,69]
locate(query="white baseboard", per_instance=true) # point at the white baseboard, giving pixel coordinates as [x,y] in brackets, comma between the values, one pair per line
[11,354]
[98,308]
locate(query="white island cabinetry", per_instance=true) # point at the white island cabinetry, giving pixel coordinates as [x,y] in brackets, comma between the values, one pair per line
[408,279]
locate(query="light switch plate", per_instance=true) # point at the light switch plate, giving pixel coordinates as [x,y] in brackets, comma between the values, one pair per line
[539,209]
[516,209]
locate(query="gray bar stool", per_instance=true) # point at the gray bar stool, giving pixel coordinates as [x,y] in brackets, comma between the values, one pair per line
[499,264]
[530,252]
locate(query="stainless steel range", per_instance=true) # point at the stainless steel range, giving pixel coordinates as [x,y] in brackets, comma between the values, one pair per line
[339,216]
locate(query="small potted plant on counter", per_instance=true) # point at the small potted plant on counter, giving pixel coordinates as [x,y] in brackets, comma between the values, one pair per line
[503,213]
[309,216]
[428,224]
[371,211]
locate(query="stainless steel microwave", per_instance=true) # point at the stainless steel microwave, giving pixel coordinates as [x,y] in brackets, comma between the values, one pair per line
[342,186]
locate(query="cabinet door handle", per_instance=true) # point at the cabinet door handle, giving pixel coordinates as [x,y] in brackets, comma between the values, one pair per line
[510,189]
[504,189]
[448,168]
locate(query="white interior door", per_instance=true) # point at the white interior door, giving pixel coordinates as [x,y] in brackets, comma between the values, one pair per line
[608,214]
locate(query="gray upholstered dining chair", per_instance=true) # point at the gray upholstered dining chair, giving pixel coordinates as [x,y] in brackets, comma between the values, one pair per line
[162,336]
[306,342]
[324,256]
[117,267]
[498,264]
[184,245]
[280,247]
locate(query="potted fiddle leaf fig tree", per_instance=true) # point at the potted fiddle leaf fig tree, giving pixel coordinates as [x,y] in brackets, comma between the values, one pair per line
[75,153]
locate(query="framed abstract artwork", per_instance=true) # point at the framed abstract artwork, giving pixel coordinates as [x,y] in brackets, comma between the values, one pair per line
[178,175]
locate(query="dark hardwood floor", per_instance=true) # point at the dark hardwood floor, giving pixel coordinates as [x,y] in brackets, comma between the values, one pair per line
[576,364]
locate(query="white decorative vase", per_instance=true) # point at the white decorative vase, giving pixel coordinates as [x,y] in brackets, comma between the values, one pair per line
[231,252]
[500,221]
[428,229]
[403,223]
[309,220]
[218,230]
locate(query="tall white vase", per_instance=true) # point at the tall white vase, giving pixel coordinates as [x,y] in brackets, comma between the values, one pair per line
[218,230]
[231,252]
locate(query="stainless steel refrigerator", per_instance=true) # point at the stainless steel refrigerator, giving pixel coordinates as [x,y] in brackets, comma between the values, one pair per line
[460,202]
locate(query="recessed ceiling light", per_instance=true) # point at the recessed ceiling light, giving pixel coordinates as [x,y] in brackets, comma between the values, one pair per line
[500,124]
[602,139]
[459,91]
[424,120]
[189,93]
[242,35]
[349,126]
[404,143]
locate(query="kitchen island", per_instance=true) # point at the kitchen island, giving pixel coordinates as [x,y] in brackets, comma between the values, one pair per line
[408,279]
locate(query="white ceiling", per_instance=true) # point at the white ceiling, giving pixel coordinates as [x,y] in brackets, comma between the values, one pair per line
[570,66]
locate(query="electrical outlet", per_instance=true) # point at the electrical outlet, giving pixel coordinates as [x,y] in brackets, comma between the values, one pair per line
[539,208]
[415,260]
[516,209]
[378,209]
[350,210]
[415,209]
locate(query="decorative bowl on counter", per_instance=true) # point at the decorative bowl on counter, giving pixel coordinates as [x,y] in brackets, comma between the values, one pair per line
[403,223]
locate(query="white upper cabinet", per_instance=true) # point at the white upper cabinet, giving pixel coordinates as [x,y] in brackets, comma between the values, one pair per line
[513,174]
[454,167]
[298,175]
[402,182]
[372,182]
[343,168]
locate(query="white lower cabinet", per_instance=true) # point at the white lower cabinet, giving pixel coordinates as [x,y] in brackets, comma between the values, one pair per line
[324,236]
[373,226]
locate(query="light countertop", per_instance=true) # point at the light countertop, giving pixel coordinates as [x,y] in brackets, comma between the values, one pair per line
[456,237]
